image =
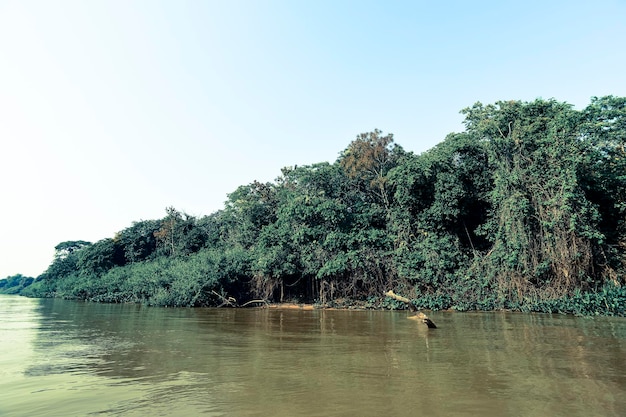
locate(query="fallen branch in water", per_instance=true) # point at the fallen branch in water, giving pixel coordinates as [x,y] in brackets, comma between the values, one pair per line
[264,302]
[418,314]
[230,301]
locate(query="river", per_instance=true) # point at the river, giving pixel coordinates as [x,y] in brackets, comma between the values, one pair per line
[66,358]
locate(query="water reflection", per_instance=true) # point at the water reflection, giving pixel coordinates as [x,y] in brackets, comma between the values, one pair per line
[71,358]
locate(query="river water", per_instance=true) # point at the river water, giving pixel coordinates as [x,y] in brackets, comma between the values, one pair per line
[65,358]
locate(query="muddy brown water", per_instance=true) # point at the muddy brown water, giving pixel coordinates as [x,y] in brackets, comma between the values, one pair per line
[66,358]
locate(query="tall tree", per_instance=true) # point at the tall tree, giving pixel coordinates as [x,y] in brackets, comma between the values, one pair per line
[64,249]
[98,258]
[368,159]
[542,227]
[440,203]
[178,234]
[603,176]
[139,241]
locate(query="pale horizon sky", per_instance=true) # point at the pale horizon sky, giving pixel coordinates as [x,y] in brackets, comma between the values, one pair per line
[111,111]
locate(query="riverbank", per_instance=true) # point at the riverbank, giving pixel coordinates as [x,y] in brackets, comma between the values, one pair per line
[608,300]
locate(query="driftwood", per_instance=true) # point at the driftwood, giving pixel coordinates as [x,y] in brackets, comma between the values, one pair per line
[264,302]
[230,301]
[418,314]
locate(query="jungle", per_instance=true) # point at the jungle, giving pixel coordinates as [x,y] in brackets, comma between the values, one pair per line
[524,210]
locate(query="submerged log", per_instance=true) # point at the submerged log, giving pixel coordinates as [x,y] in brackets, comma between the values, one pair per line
[418,314]
[257,302]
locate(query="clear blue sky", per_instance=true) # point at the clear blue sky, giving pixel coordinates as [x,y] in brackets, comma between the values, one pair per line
[111,111]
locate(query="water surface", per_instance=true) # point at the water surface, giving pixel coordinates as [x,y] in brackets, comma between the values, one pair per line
[65,358]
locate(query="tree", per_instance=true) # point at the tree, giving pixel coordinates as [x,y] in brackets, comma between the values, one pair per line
[65,259]
[99,257]
[64,249]
[15,284]
[248,209]
[178,234]
[439,203]
[603,175]
[542,227]
[367,160]
[138,242]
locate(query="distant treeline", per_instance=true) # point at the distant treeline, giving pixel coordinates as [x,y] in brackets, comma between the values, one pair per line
[524,210]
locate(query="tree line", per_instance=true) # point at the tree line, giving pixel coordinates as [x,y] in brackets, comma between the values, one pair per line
[525,210]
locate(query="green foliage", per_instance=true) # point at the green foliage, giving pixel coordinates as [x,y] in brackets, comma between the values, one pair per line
[64,265]
[15,284]
[178,235]
[367,162]
[524,210]
[100,257]
[67,248]
[609,300]
[139,240]
[544,231]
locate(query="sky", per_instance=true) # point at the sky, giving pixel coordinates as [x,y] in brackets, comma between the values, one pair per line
[113,110]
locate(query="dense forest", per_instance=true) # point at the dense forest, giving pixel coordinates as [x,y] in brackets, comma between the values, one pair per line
[524,210]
